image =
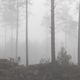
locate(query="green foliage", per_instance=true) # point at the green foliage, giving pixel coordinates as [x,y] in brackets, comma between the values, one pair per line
[63,58]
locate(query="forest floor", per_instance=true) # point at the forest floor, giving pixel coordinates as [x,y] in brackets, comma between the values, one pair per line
[9,71]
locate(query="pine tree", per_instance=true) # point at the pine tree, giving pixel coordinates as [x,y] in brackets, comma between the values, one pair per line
[79,38]
[63,58]
[26,32]
[52,33]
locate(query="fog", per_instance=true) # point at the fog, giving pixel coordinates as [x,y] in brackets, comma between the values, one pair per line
[39,37]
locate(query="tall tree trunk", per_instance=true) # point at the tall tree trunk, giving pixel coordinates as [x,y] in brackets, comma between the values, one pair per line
[52,33]
[26,32]
[17,32]
[5,44]
[79,38]
[11,41]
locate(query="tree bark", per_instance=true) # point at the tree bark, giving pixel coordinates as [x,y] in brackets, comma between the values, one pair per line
[79,38]
[26,32]
[52,33]
[17,32]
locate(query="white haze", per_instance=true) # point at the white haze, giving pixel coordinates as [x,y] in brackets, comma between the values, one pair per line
[38,34]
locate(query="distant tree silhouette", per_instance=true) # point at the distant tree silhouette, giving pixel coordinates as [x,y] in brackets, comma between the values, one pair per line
[44,60]
[10,18]
[18,59]
[79,38]
[63,57]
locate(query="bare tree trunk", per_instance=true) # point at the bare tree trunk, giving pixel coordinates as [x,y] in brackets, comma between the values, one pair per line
[5,44]
[26,32]
[17,32]
[52,33]
[79,38]
[11,42]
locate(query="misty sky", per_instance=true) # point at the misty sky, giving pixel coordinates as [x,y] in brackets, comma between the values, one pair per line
[39,34]
[66,21]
